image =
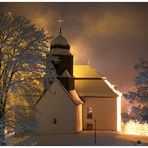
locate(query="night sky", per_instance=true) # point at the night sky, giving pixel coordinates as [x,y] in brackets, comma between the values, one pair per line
[110,36]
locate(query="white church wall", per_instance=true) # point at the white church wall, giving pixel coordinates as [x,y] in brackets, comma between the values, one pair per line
[57,111]
[79,118]
[104,111]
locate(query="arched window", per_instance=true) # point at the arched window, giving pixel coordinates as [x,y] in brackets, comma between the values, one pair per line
[89,112]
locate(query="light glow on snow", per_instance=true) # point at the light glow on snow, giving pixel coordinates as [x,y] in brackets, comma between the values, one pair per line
[135,128]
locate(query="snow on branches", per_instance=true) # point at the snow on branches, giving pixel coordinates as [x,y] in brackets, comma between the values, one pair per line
[139,97]
[23,53]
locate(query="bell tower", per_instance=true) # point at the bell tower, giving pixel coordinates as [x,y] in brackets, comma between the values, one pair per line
[64,67]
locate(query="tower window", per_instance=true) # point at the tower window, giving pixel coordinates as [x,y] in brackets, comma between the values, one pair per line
[54,121]
[89,112]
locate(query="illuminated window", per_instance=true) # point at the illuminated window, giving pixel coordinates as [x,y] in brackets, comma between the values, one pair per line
[54,121]
[89,112]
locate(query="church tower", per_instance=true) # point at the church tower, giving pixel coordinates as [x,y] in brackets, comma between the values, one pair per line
[64,67]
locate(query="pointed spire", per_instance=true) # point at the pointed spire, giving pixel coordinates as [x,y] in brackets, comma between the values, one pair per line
[60,21]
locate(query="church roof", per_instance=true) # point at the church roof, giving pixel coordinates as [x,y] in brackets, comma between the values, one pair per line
[72,94]
[85,71]
[88,82]
[75,97]
[94,88]
[59,40]
[59,45]
[57,51]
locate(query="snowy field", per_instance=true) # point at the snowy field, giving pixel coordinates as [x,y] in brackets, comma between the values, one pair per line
[81,139]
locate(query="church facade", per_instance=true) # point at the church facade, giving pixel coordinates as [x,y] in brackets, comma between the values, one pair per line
[79,99]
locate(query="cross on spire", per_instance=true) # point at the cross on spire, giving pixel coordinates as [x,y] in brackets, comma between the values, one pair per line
[60,21]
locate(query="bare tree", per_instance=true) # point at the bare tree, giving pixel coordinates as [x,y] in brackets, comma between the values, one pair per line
[23,50]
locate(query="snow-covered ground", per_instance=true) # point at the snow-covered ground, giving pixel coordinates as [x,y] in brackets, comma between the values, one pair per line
[81,139]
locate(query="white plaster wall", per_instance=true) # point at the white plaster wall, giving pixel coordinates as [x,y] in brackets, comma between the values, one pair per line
[79,118]
[104,111]
[57,105]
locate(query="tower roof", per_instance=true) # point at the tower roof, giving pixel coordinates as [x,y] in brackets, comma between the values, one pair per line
[60,41]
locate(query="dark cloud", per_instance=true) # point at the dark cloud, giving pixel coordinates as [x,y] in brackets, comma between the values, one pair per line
[111,36]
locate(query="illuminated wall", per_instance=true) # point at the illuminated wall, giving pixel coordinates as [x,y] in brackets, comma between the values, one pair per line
[104,111]
[56,111]
[79,126]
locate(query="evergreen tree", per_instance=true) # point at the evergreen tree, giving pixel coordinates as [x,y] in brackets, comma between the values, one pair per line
[138,98]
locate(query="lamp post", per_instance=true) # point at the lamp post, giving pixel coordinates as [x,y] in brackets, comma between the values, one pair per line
[95,133]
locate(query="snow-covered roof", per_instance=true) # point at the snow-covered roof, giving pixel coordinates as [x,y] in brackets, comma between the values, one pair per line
[93,88]
[75,97]
[85,71]
[57,51]
[72,94]
[59,40]
[88,82]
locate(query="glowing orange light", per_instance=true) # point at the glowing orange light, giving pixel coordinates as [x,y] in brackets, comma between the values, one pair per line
[80,57]
[5,131]
[135,128]
[119,112]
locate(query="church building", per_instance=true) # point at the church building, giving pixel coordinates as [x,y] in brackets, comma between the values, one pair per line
[79,99]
